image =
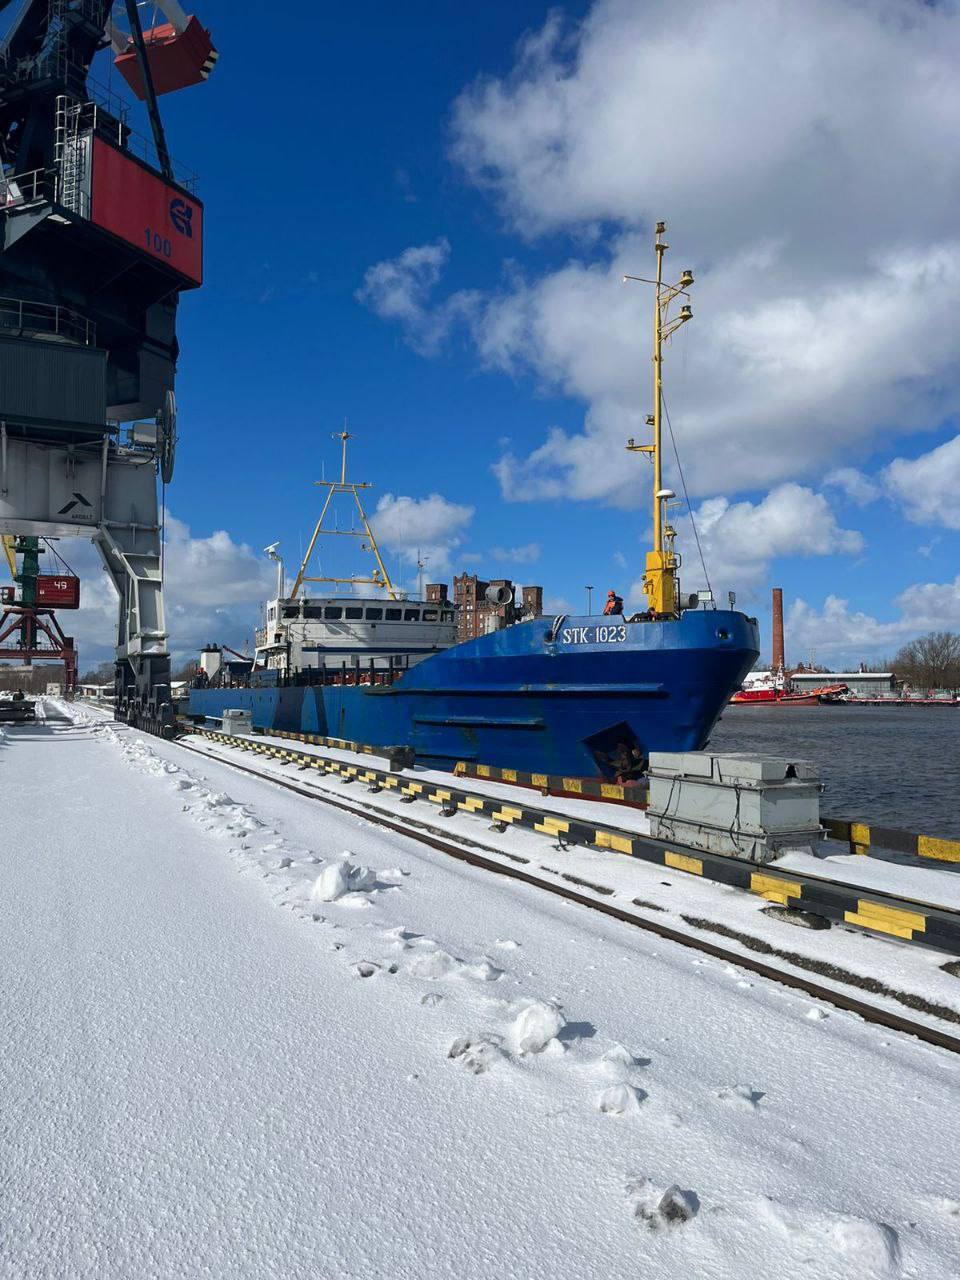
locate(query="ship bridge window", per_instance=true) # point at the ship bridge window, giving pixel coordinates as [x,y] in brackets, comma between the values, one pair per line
[448,615]
[314,611]
[429,615]
[394,615]
[411,615]
[291,611]
[272,614]
[354,613]
[374,615]
[332,612]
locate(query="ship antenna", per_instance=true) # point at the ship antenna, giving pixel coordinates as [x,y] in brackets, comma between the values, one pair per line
[660,576]
[380,577]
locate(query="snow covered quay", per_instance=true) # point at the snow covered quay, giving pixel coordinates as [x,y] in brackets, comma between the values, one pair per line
[244,1034]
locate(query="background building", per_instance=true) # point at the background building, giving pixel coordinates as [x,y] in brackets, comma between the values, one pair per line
[32,679]
[476,615]
[868,683]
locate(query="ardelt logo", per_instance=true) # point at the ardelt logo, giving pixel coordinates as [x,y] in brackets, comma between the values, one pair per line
[181,215]
[78,500]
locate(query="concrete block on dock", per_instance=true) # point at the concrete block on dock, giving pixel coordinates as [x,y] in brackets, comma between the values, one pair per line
[237,722]
[740,804]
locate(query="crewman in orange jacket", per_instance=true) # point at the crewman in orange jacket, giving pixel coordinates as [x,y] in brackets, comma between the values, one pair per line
[614,604]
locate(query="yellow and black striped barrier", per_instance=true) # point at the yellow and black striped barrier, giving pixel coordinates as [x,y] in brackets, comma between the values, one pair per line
[634,793]
[341,744]
[849,904]
[862,837]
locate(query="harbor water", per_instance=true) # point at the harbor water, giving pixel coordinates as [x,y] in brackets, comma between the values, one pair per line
[892,766]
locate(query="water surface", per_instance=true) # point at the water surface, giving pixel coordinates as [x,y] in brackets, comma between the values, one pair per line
[894,766]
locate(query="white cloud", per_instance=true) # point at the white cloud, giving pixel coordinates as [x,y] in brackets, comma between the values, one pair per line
[858,487]
[431,527]
[400,289]
[730,111]
[760,390]
[843,636]
[740,539]
[528,553]
[927,549]
[932,606]
[928,487]
[835,633]
[213,588]
[788,156]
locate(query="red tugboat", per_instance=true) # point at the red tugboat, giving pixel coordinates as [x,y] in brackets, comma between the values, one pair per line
[766,688]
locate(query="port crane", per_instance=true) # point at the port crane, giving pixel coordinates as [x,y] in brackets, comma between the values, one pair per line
[100,233]
[29,626]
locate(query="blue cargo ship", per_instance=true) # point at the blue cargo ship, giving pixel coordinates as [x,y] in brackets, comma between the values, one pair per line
[577,696]
[556,696]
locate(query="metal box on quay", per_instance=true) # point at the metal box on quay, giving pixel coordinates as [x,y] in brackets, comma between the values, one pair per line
[739,804]
[237,722]
[60,591]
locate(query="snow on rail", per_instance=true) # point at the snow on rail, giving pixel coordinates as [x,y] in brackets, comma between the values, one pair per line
[356,1058]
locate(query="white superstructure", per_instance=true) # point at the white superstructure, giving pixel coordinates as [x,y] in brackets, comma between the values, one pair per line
[308,633]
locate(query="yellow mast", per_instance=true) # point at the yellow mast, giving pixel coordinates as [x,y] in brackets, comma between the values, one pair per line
[380,576]
[660,578]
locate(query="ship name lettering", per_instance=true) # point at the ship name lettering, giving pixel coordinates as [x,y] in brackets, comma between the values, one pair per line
[593,635]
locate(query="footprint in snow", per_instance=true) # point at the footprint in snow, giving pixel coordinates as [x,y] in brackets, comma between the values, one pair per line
[740,1096]
[618,1059]
[620,1100]
[482,971]
[856,1248]
[434,965]
[658,1208]
[476,1054]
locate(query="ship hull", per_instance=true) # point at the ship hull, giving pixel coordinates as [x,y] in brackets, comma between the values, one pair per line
[529,699]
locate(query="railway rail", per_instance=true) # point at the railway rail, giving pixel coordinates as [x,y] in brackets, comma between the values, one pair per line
[492,860]
[908,919]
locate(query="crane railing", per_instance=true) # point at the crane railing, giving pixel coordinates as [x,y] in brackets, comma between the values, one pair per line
[20,189]
[46,320]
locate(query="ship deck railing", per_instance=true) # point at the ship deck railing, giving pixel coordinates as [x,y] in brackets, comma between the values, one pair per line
[355,672]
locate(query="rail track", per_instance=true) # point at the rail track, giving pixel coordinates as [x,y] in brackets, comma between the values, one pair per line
[493,860]
[909,919]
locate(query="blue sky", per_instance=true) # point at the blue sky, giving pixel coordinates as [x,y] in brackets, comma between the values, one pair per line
[417,219]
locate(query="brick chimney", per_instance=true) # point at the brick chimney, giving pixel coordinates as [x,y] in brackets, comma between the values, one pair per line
[778,657]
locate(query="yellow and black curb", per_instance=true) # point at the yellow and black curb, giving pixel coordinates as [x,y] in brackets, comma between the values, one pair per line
[861,837]
[847,904]
[342,744]
[553,784]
